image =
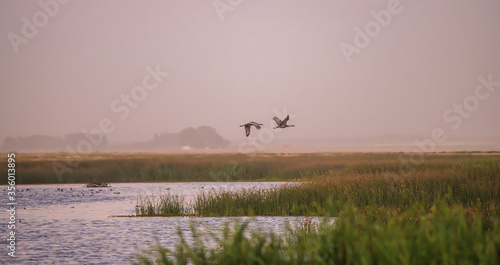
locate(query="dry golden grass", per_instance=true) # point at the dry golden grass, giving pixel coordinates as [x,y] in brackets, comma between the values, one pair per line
[141,167]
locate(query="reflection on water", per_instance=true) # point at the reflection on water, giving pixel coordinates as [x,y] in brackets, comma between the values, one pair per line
[70,224]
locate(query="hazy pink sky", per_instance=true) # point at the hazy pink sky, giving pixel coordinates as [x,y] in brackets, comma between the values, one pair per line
[262,56]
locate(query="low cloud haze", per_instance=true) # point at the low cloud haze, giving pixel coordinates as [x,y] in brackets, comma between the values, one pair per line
[343,70]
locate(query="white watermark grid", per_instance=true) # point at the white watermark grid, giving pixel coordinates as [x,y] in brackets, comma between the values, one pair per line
[364,36]
[454,117]
[121,106]
[31,26]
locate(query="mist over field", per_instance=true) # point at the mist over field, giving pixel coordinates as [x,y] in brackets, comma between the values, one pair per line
[184,75]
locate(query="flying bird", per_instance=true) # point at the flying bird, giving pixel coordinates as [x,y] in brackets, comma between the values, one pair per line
[282,123]
[249,125]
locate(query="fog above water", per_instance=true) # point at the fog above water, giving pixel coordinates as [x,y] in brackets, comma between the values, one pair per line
[75,66]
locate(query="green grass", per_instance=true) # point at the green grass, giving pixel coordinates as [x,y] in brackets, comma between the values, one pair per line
[33,168]
[447,213]
[444,210]
[470,185]
[163,205]
[441,234]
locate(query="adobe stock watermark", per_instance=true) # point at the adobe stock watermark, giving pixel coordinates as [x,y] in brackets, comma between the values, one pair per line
[454,118]
[363,36]
[251,145]
[224,6]
[120,106]
[30,27]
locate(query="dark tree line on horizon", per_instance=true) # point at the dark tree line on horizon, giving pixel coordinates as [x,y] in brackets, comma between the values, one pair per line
[203,137]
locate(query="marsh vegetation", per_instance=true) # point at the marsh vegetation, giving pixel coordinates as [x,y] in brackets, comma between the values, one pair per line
[42,168]
[439,234]
[444,211]
[469,184]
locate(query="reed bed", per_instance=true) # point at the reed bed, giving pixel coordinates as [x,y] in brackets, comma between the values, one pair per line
[42,168]
[430,217]
[441,234]
[162,205]
[469,184]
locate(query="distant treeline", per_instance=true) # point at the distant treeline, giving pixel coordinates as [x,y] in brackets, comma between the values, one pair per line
[191,138]
[68,143]
[203,137]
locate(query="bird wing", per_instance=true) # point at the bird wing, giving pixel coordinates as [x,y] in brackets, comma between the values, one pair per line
[257,125]
[278,121]
[286,119]
[247,130]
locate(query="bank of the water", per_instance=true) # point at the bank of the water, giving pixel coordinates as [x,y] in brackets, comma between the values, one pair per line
[70,224]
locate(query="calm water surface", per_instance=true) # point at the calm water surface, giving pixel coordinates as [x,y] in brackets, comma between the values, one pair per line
[70,224]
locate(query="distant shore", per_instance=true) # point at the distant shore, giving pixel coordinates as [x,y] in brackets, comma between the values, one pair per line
[53,168]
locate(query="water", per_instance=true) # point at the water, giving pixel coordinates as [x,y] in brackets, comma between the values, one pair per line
[71,224]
